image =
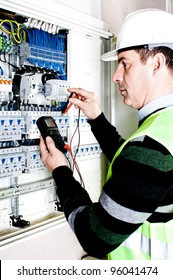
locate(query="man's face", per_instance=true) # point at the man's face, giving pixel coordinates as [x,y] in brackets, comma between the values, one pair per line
[134,79]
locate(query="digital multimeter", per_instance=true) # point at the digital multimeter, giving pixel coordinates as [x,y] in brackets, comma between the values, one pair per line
[48,127]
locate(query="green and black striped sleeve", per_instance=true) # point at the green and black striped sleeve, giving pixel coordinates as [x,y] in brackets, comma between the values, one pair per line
[141,183]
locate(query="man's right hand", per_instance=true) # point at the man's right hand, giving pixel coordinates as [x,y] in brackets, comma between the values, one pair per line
[87,102]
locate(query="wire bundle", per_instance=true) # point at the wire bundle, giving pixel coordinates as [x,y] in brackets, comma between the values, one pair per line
[6,46]
[73,156]
[14,29]
[47,50]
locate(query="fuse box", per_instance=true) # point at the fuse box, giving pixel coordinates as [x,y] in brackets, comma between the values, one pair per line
[36,71]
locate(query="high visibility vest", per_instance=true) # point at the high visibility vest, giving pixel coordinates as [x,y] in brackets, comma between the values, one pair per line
[151,241]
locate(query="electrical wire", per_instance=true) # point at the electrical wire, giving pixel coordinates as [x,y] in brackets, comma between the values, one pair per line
[69,148]
[78,129]
[13,28]
[75,165]
[5,61]
[47,50]
[1,71]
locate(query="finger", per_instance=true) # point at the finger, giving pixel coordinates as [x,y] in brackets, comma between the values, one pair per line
[50,145]
[77,102]
[43,150]
[42,145]
[79,91]
[41,140]
[49,141]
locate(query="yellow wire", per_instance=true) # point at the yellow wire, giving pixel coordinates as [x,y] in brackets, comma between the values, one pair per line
[18,35]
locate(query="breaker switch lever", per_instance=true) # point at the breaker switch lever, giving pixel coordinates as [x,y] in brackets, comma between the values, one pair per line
[59,207]
[18,222]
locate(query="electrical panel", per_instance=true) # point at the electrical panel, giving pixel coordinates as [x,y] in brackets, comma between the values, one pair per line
[39,61]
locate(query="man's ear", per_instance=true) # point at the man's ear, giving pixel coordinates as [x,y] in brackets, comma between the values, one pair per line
[159,62]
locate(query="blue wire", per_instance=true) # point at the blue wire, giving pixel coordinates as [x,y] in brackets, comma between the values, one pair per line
[52,46]
[1,71]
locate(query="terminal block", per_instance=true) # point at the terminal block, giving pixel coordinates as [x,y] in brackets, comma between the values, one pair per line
[5,91]
[87,151]
[12,162]
[31,130]
[51,94]
[11,125]
[33,162]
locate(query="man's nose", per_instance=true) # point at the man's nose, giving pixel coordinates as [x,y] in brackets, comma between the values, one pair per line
[118,76]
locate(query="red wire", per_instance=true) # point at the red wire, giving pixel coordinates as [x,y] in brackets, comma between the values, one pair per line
[68,107]
[68,148]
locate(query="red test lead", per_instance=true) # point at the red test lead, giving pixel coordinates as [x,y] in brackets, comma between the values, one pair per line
[67,107]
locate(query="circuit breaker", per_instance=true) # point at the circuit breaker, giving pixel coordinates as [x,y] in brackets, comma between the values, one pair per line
[39,62]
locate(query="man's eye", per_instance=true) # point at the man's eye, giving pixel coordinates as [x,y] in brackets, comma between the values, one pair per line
[124,64]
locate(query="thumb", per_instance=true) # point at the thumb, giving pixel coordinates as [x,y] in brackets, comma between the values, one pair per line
[50,144]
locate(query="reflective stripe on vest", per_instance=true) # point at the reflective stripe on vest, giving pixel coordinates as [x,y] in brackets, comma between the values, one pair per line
[151,240]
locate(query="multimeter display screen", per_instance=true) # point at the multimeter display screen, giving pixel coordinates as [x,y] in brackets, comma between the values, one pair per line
[50,122]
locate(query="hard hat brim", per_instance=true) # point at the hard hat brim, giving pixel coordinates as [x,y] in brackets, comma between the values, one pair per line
[113,55]
[110,56]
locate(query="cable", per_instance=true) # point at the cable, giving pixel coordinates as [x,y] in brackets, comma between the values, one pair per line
[69,148]
[78,144]
[1,71]
[5,61]
[14,29]
[73,137]
[47,50]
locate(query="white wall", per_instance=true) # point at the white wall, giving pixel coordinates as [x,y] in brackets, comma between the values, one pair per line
[90,7]
[113,12]
[55,243]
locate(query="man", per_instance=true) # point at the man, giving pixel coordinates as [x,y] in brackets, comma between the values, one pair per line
[133,217]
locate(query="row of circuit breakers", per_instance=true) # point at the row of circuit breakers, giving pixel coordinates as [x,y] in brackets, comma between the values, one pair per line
[33,83]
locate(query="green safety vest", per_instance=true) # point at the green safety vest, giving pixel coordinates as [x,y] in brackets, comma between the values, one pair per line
[151,241]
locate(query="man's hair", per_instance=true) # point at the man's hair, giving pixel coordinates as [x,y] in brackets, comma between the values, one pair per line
[145,53]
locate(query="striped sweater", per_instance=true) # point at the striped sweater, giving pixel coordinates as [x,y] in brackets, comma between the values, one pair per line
[141,181]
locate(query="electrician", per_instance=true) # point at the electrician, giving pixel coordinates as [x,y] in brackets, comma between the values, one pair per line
[133,218]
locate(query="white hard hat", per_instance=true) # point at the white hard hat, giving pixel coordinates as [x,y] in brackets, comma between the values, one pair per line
[146,28]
